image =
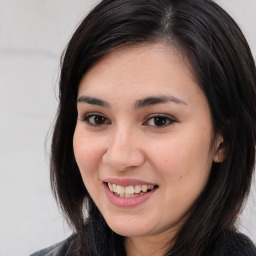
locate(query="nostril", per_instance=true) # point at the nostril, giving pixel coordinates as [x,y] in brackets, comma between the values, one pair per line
[123,159]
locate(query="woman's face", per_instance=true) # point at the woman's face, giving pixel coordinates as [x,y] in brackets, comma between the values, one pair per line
[144,139]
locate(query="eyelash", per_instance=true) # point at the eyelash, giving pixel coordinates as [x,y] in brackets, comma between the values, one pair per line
[165,119]
[161,117]
[87,117]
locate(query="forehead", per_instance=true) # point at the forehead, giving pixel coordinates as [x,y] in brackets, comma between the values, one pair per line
[141,64]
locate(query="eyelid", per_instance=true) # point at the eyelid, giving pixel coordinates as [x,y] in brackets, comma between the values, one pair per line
[171,119]
[85,118]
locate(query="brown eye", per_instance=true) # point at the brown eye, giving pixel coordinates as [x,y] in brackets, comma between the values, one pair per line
[159,121]
[95,119]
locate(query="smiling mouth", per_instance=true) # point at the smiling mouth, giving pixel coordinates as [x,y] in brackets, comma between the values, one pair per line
[130,191]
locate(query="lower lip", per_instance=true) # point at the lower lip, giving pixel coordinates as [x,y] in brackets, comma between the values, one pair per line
[125,201]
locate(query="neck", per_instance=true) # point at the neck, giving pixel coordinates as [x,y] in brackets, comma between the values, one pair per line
[147,246]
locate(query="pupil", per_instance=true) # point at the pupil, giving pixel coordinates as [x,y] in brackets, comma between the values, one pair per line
[99,119]
[160,121]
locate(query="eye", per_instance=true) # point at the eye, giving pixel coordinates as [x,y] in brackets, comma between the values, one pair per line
[95,119]
[159,121]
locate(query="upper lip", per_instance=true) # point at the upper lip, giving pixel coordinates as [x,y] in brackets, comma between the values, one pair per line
[127,182]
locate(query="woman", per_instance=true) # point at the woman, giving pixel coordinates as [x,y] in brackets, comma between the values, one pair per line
[154,143]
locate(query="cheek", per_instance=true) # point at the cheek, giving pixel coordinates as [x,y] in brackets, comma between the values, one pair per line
[88,153]
[183,157]
[184,168]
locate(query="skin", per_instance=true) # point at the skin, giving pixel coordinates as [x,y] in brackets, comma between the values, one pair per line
[128,142]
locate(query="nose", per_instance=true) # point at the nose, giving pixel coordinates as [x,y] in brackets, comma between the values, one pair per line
[124,151]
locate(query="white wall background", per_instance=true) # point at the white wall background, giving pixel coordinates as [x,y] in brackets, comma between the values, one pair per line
[33,34]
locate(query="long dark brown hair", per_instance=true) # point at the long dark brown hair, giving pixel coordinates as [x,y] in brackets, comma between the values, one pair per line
[223,65]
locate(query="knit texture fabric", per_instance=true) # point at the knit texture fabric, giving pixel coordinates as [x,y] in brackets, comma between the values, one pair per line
[234,244]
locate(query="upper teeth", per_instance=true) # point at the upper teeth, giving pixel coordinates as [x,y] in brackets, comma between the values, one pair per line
[129,190]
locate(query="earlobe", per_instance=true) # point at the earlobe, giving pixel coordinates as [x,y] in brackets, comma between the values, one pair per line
[220,149]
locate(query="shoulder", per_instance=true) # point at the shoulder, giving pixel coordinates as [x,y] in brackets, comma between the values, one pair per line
[58,249]
[236,244]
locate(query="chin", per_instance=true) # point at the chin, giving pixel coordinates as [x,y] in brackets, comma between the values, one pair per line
[128,231]
[128,228]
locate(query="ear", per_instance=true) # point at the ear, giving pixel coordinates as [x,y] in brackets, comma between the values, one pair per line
[220,149]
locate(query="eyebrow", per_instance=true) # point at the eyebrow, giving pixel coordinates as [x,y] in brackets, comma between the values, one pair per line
[93,101]
[148,101]
[157,100]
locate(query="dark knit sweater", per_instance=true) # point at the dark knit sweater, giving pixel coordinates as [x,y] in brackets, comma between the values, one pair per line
[236,244]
